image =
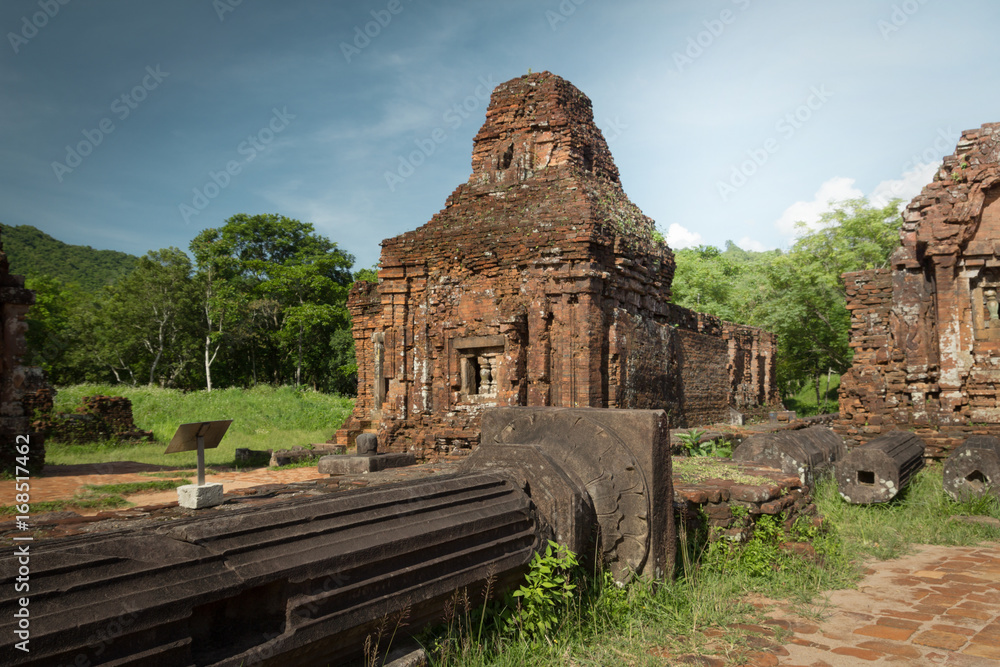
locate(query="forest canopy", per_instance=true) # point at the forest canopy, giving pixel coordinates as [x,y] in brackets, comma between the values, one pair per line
[797,294]
[262,300]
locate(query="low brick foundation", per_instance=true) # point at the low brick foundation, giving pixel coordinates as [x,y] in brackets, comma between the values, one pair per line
[725,498]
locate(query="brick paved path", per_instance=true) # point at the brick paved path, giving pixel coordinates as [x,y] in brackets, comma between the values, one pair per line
[938,606]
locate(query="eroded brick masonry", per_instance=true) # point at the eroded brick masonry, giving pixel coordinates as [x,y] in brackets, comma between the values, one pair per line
[22,387]
[926,332]
[539,284]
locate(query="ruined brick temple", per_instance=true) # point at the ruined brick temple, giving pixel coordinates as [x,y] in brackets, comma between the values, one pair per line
[539,284]
[926,331]
[22,387]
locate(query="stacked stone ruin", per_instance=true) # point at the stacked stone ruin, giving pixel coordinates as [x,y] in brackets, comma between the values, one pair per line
[539,284]
[926,330]
[22,388]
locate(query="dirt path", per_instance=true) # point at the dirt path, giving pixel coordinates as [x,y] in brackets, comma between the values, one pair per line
[62,482]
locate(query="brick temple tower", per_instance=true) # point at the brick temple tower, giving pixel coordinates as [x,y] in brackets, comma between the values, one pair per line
[539,283]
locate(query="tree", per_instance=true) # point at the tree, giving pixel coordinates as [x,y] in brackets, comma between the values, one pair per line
[807,301]
[147,322]
[49,334]
[729,284]
[279,290]
[798,295]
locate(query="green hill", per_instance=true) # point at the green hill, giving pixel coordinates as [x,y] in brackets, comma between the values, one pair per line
[32,253]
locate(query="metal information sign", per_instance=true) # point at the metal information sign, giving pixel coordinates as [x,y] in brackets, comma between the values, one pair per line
[200,436]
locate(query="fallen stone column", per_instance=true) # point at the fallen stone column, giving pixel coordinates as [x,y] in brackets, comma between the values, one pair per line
[974,468]
[877,471]
[619,459]
[292,584]
[806,453]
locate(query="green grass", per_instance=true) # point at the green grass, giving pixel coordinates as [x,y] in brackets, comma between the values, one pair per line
[101,496]
[920,513]
[264,417]
[126,488]
[804,401]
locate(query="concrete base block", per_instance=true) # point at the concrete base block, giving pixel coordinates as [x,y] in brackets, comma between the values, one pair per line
[348,465]
[196,497]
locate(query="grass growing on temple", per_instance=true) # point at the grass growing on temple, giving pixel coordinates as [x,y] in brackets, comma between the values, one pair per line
[264,417]
[699,613]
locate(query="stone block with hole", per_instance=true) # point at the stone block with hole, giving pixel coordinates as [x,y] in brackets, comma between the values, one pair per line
[877,471]
[974,468]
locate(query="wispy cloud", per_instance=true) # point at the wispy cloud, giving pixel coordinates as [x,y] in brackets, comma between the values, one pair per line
[905,188]
[679,237]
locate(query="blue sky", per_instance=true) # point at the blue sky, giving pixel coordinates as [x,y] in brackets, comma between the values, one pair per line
[133,125]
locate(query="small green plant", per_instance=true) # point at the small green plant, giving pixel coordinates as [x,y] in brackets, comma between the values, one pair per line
[547,592]
[692,443]
[691,439]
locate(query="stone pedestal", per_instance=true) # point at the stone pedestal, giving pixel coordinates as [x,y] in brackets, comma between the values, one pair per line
[346,465]
[195,497]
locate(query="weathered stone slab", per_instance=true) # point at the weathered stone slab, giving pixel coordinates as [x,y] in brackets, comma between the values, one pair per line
[346,465]
[876,472]
[974,468]
[293,583]
[622,459]
[806,453]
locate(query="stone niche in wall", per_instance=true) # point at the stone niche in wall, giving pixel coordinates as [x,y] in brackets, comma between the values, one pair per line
[479,359]
[981,268]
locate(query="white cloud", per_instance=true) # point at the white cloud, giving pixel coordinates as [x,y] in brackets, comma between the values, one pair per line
[836,189]
[905,188]
[747,243]
[679,237]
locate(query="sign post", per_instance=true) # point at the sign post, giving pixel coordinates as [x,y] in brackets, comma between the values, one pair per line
[199,436]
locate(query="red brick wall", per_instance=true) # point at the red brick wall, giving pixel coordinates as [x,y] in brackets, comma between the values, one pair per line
[752,360]
[927,353]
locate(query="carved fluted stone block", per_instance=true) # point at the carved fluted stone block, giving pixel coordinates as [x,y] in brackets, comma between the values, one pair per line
[295,583]
[621,458]
[806,453]
[974,468]
[877,471]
